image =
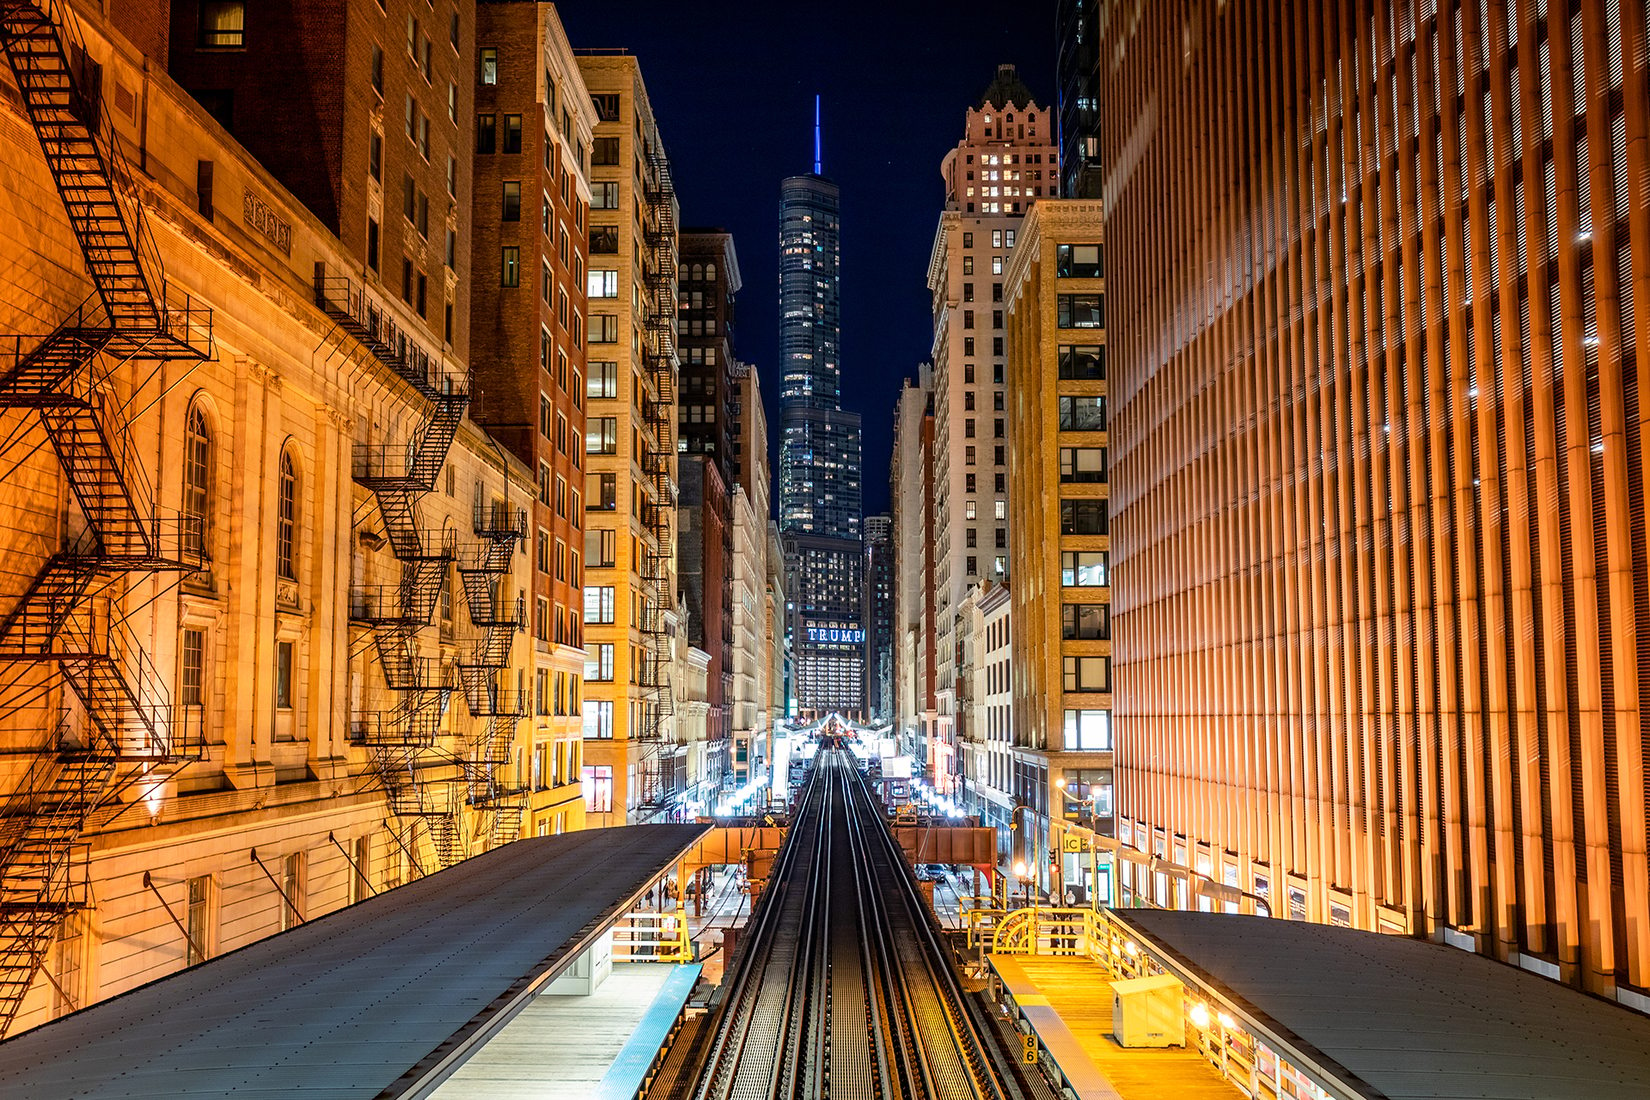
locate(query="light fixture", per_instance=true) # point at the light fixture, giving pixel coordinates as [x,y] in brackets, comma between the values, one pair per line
[1200,1015]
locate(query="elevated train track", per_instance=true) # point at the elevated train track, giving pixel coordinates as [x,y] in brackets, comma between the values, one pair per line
[843,987]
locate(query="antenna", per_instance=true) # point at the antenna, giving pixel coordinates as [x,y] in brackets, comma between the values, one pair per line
[818,164]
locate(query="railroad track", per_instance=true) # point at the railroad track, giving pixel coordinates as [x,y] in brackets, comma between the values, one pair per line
[842,988]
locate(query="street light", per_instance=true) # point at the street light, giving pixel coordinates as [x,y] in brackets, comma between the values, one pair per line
[1020,872]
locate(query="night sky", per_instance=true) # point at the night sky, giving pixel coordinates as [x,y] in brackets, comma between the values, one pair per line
[733,87]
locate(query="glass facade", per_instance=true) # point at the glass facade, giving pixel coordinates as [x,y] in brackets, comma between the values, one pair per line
[819,456]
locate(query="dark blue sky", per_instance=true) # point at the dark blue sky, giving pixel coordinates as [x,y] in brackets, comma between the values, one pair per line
[733,84]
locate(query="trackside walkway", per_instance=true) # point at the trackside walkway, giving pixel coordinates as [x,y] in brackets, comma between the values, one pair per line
[1067,1001]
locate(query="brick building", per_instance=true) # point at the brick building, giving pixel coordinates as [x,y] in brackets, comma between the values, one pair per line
[631,755]
[534,122]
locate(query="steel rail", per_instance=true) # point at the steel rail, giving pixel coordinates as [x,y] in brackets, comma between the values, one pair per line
[842,986]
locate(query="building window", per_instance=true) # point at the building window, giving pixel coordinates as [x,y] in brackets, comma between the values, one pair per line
[1083,517]
[512,201]
[602,379]
[602,283]
[489,65]
[1087,731]
[604,196]
[598,778]
[223,25]
[1086,673]
[1078,261]
[360,882]
[1085,569]
[1085,622]
[198,457]
[604,329]
[601,435]
[605,499]
[598,604]
[286,519]
[604,152]
[1082,465]
[486,133]
[598,726]
[1083,363]
[192,677]
[598,663]
[198,921]
[1083,414]
[600,545]
[510,269]
[292,891]
[512,133]
[1082,311]
[283,675]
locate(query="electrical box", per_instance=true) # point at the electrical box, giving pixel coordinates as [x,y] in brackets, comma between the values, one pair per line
[1149,1012]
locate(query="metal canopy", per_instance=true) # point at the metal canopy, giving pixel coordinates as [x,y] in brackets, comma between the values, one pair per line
[362,1002]
[1406,1019]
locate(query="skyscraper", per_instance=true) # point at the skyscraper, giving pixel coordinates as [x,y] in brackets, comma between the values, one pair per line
[879,616]
[819,458]
[1005,162]
[1378,445]
[1077,72]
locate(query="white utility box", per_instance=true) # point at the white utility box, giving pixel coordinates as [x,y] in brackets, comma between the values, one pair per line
[1148,1012]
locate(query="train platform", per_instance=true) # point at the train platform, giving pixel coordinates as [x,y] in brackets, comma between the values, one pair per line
[596,1046]
[1271,1007]
[1066,1000]
[388,997]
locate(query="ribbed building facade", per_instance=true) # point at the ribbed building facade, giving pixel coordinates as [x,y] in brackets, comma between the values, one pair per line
[1382,578]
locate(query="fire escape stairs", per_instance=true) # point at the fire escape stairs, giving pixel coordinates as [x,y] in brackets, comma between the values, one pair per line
[64,617]
[658,552]
[482,570]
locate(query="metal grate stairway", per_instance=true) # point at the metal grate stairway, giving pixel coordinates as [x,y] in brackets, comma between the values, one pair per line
[68,378]
[659,552]
[482,571]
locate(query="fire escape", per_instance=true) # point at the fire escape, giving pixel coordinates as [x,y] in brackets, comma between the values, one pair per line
[483,569]
[401,740]
[658,556]
[72,618]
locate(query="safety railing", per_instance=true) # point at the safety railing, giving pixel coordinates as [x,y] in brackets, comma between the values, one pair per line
[1258,1064]
[652,937]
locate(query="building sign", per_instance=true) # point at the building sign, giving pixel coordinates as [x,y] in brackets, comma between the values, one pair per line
[262,218]
[834,634]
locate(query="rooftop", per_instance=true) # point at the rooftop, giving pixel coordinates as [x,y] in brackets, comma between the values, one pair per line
[1006,90]
[370,998]
[1405,1019]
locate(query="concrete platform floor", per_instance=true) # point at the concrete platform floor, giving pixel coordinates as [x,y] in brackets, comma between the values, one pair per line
[559,1047]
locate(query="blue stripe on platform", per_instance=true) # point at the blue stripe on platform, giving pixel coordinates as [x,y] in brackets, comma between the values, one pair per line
[624,1078]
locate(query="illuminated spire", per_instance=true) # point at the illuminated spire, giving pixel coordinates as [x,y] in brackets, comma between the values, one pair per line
[818,163]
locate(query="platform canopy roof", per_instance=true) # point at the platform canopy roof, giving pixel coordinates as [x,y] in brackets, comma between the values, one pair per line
[367,1001]
[1405,1019]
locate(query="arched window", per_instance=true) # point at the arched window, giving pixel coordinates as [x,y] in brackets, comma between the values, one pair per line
[286,518]
[710,273]
[198,459]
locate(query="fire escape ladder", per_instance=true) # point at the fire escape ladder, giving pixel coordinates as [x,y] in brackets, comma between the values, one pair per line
[660,413]
[482,570]
[64,104]
[68,377]
[42,823]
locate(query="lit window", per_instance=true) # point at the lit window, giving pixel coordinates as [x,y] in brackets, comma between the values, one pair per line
[286,517]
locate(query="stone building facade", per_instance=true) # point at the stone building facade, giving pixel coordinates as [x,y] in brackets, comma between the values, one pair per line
[239,647]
